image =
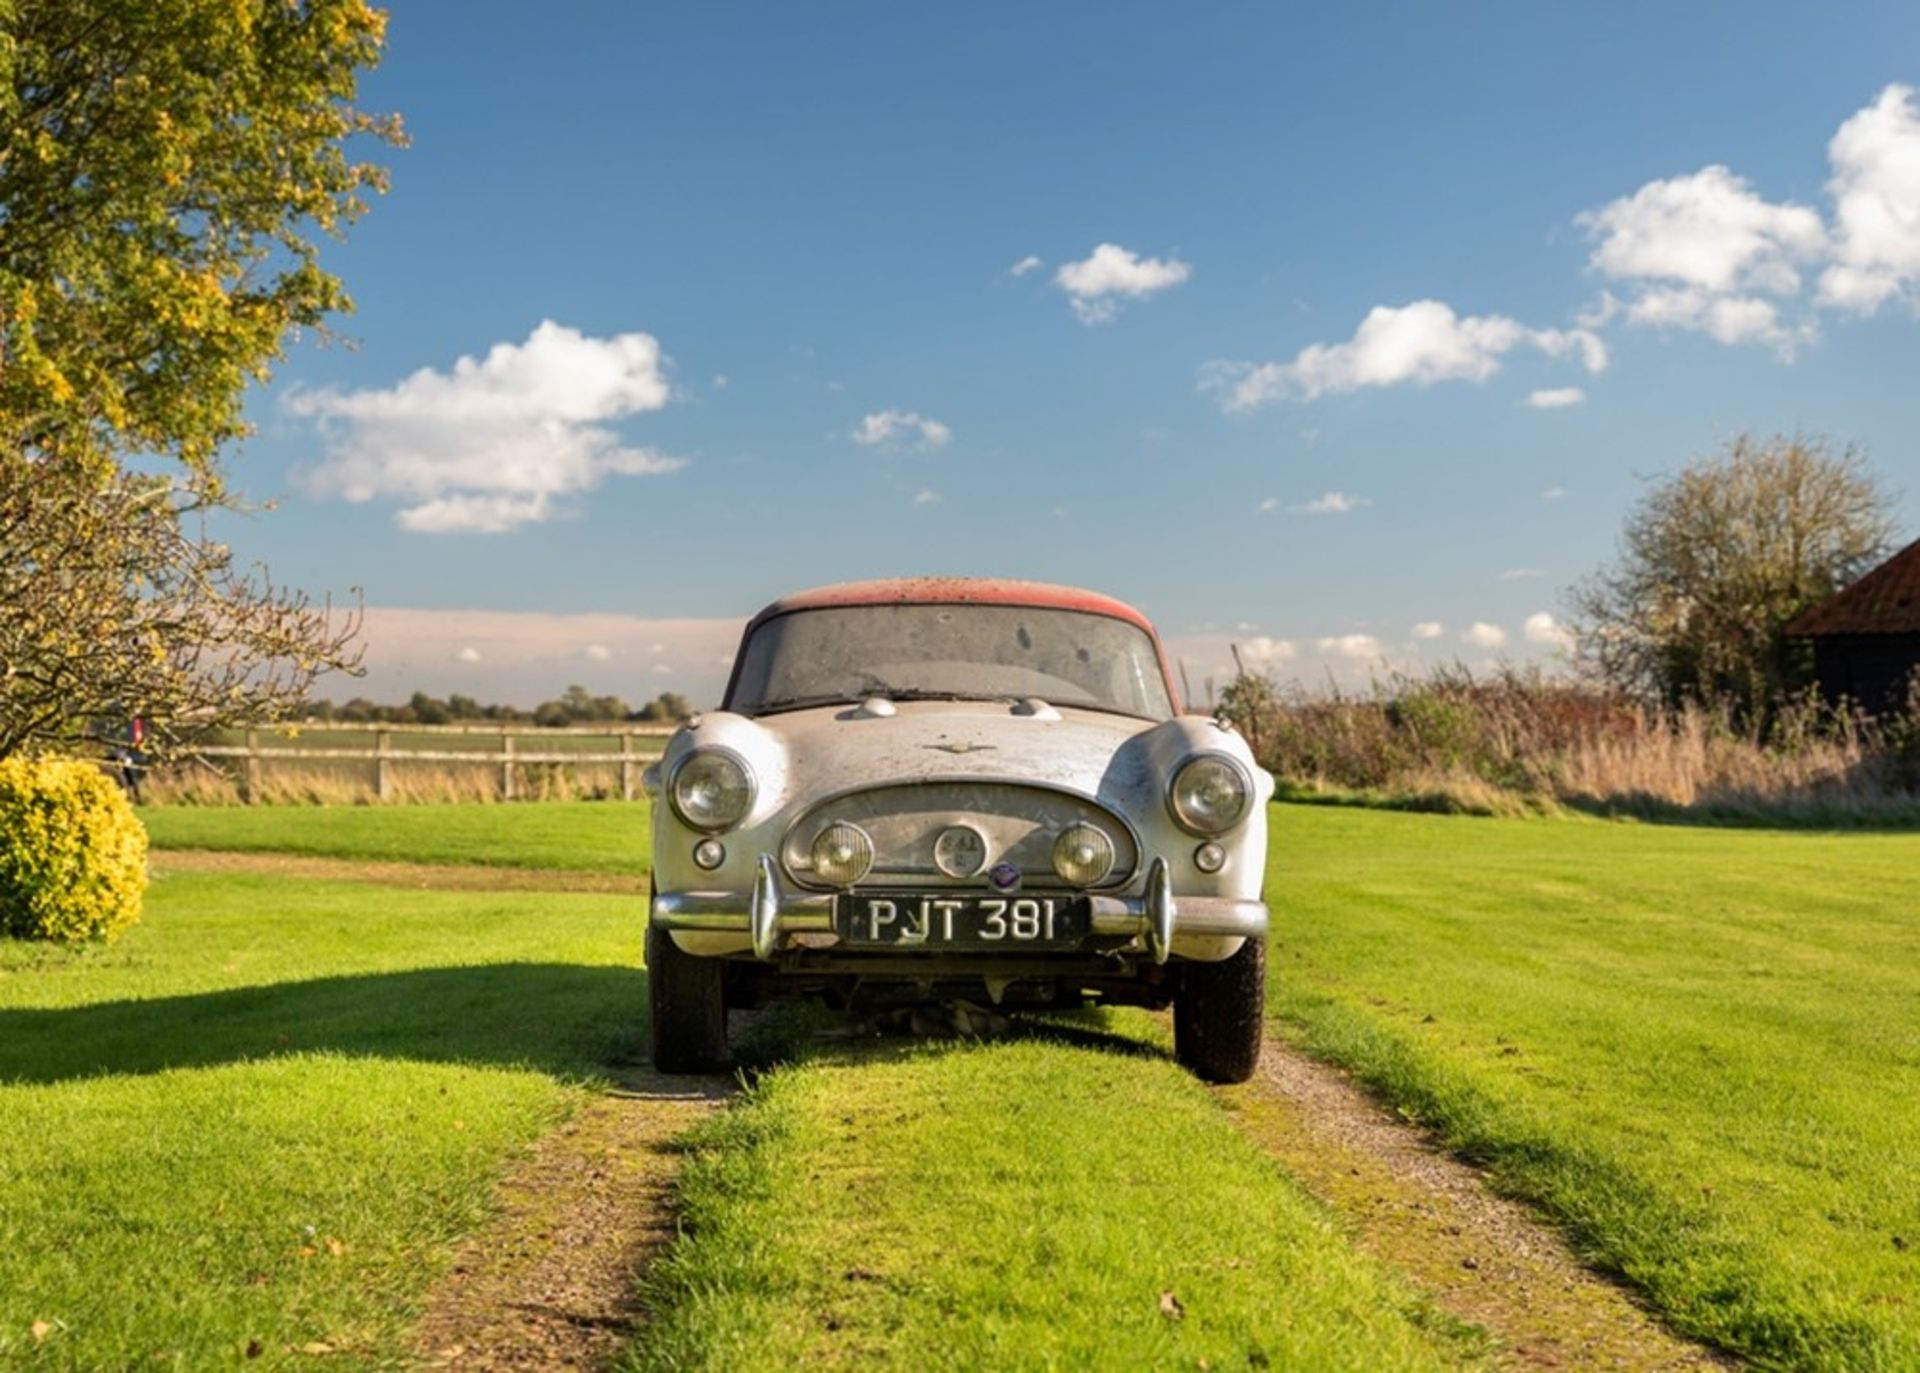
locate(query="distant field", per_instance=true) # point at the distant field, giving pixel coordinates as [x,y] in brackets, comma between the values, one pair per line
[484,740]
[218,780]
[250,1132]
[1700,1047]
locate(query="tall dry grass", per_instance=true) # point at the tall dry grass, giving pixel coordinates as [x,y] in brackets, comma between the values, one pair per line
[352,784]
[1517,741]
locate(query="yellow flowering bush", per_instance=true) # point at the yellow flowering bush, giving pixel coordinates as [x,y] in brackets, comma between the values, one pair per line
[73,855]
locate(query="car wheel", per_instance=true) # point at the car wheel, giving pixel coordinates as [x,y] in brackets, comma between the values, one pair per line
[688,1005]
[1219,1012]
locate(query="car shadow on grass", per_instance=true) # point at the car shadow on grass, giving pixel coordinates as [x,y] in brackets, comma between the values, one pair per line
[790,1032]
[569,1020]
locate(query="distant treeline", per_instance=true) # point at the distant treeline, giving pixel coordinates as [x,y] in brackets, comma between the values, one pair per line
[575,706]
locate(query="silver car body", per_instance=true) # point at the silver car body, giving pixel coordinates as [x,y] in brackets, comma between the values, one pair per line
[1016,772]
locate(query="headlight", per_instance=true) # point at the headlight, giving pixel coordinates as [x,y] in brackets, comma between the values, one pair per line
[842,854]
[1210,794]
[1082,855]
[712,789]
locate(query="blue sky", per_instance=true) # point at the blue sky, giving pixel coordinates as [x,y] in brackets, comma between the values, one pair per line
[813,217]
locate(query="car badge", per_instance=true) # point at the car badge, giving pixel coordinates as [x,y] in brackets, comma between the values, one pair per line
[1004,876]
[962,746]
[960,851]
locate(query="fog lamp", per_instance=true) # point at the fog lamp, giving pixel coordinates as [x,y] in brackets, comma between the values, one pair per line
[842,854]
[1083,855]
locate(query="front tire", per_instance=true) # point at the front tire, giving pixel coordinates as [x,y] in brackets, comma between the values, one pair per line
[688,1007]
[1219,1013]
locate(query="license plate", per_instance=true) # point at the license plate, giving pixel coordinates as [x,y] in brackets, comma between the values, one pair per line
[974,923]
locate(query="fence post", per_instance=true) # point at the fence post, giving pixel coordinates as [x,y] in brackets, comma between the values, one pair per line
[506,766]
[626,767]
[382,745]
[252,796]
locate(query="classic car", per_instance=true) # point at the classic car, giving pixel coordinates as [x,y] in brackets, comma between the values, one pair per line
[957,790]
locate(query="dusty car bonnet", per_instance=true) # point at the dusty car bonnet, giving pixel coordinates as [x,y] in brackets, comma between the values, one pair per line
[1116,758]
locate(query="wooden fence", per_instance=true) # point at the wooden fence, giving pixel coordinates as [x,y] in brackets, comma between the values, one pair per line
[385,757]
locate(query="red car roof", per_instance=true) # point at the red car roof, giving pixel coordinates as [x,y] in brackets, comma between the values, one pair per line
[956,590]
[960,591]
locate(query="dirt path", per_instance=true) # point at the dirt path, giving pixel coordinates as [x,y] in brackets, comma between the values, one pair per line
[420,876]
[1485,1259]
[550,1282]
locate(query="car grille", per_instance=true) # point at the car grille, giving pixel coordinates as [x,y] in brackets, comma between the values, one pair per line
[1018,821]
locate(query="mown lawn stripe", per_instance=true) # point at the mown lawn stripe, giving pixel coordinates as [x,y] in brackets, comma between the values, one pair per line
[1024,1204]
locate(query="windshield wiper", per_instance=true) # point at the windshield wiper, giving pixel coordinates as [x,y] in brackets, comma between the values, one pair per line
[867,693]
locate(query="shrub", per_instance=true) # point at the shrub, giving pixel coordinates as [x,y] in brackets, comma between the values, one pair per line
[1516,740]
[73,855]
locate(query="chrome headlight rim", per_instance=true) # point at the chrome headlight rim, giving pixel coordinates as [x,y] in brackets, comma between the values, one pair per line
[1186,822]
[750,784]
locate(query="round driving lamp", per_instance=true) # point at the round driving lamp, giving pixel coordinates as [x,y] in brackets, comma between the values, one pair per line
[1210,794]
[712,789]
[1083,855]
[842,854]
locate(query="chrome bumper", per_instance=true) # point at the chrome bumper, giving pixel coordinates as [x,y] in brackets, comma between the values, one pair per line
[768,913]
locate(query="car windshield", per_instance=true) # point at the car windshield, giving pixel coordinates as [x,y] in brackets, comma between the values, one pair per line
[950,652]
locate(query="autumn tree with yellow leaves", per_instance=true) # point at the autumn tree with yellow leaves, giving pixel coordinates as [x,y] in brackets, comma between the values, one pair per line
[168,173]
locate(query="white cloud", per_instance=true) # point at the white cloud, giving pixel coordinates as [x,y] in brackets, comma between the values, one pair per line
[1876,194]
[1556,398]
[467,655]
[1707,230]
[1554,493]
[720,382]
[1097,284]
[928,497]
[1262,649]
[1522,574]
[1029,263]
[889,427]
[1332,503]
[498,441]
[1269,505]
[1429,629]
[1483,635]
[1350,646]
[1725,319]
[1423,343]
[596,653]
[1541,628]
[1704,252]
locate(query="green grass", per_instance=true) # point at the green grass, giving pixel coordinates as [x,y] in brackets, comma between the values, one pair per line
[1699,1047]
[1018,1205]
[601,836]
[264,1115]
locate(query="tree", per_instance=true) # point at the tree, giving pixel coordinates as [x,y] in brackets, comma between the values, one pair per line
[1715,561]
[668,706]
[167,173]
[116,607]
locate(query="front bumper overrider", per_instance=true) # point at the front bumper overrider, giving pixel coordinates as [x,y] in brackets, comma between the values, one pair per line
[767,913]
